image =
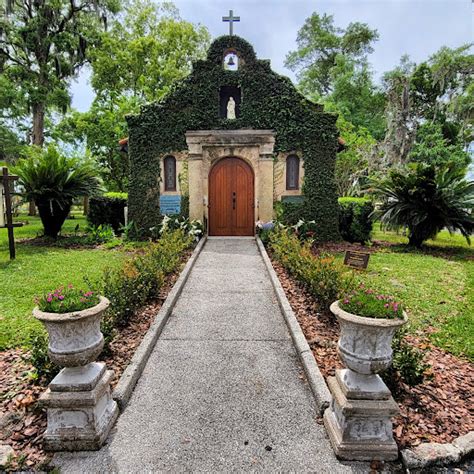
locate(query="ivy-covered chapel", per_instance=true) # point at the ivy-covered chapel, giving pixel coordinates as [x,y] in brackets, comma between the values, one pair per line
[227,142]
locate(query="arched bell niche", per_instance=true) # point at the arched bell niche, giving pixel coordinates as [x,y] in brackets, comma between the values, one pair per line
[231,60]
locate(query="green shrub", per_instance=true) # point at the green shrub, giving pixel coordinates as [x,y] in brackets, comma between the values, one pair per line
[407,361]
[141,278]
[53,181]
[38,357]
[264,230]
[426,199]
[116,195]
[325,278]
[193,228]
[100,234]
[289,213]
[108,210]
[355,219]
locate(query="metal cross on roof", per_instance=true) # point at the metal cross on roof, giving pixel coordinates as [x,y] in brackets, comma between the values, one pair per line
[231,18]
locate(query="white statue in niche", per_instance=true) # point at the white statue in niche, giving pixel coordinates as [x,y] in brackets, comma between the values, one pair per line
[231,108]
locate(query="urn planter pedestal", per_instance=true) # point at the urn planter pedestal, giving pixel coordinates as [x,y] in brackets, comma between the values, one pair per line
[359,418]
[79,404]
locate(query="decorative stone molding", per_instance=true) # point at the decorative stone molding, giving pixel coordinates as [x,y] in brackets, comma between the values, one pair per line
[359,418]
[206,147]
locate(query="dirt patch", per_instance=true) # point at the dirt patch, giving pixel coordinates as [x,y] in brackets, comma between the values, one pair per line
[438,410]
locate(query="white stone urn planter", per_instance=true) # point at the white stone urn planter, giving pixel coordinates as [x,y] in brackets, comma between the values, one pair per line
[365,344]
[74,338]
[79,404]
[359,418]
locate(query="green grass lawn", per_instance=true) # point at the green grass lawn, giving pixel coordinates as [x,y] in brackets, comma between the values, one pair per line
[436,285]
[38,269]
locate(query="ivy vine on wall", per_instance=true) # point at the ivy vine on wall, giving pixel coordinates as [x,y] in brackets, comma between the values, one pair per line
[269,101]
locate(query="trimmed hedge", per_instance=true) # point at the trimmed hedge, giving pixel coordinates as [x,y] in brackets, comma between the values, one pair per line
[108,209]
[355,219]
[269,101]
[324,277]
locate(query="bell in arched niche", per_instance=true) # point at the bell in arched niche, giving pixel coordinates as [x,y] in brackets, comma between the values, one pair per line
[231,62]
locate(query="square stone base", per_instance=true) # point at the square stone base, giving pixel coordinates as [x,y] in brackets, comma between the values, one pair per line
[79,420]
[360,430]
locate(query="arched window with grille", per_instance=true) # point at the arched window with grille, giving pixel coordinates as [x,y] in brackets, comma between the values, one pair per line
[292,172]
[170,173]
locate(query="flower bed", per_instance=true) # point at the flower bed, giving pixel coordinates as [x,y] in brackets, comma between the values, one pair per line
[437,410]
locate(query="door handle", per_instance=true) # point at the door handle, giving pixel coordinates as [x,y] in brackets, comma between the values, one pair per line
[233,200]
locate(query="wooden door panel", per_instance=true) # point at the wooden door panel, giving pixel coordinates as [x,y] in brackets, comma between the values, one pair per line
[231,197]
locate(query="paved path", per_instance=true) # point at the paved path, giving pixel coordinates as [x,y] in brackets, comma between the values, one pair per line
[223,388]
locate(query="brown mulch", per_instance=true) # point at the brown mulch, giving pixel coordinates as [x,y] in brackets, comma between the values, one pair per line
[23,420]
[438,410]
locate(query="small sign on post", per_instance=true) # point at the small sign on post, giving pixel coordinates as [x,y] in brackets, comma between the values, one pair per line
[356,259]
[6,209]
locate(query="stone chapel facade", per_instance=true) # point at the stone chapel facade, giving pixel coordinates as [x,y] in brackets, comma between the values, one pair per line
[229,141]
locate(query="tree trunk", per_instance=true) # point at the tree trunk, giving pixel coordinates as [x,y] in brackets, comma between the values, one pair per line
[415,241]
[38,124]
[32,208]
[86,205]
[52,217]
[37,139]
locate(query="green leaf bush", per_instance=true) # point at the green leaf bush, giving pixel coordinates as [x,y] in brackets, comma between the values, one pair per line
[355,219]
[408,363]
[141,277]
[108,209]
[323,276]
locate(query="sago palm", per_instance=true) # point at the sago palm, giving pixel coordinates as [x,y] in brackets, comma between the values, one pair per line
[53,181]
[426,199]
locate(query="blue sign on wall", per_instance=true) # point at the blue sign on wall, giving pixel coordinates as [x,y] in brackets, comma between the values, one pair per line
[293,199]
[170,204]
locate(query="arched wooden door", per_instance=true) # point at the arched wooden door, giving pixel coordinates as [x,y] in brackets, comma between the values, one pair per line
[231,198]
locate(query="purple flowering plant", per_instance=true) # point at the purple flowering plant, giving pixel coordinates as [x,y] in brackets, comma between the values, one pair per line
[371,304]
[66,299]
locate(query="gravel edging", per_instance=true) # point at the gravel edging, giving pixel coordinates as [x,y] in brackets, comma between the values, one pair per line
[313,374]
[126,384]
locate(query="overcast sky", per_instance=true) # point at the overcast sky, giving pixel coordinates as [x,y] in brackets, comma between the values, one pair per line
[414,27]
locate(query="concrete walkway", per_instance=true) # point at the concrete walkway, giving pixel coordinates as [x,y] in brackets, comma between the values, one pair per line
[223,389]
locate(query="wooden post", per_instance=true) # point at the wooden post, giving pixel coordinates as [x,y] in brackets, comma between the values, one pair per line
[6,180]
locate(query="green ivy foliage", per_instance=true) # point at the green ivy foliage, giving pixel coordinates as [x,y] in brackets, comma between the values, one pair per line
[269,101]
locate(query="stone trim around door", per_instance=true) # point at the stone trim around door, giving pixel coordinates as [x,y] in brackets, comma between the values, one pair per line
[206,147]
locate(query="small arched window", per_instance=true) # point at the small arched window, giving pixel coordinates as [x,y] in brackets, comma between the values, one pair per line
[170,173]
[292,172]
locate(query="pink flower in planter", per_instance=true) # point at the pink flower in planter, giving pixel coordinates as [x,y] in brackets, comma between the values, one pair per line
[61,297]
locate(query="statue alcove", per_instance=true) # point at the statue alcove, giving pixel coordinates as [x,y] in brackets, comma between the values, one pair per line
[225,93]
